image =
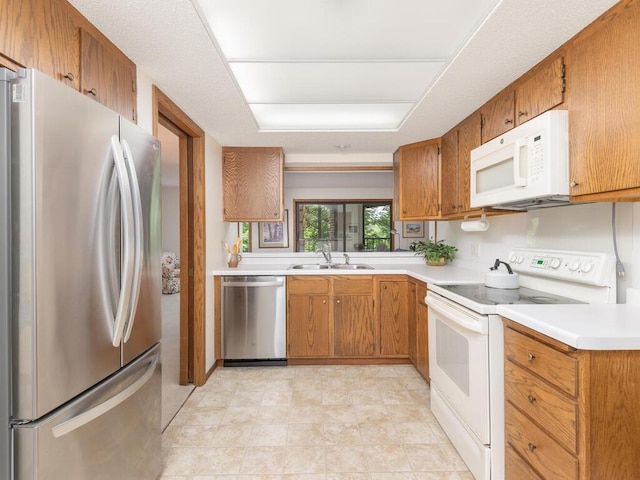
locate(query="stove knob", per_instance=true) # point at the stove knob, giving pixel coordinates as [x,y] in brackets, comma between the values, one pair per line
[513,257]
[574,266]
[520,259]
[586,267]
[555,263]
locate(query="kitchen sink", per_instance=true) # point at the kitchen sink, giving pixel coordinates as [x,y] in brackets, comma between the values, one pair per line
[309,266]
[352,266]
[333,266]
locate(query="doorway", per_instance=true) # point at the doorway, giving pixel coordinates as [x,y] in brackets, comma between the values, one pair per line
[168,115]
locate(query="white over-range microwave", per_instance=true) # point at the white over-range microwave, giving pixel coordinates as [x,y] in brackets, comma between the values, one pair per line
[525,168]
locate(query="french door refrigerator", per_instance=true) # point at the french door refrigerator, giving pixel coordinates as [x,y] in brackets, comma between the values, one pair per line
[80,283]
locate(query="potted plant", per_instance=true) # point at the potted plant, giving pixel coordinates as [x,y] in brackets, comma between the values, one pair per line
[434,253]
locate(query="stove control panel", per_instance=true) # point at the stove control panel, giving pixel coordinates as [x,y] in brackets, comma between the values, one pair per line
[582,267]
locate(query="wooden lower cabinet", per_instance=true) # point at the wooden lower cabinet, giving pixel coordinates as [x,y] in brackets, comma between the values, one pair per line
[569,414]
[417,327]
[354,331]
[331,316]
[308,332]
[422,334]
[394,325]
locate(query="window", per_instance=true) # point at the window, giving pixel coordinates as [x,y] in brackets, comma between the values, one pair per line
[244,232]
[347,226]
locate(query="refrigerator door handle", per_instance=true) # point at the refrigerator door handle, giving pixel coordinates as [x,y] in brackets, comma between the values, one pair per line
[87,416]
[128,242]
[138,238]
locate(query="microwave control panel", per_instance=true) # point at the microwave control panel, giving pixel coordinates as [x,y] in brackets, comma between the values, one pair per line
[535,147]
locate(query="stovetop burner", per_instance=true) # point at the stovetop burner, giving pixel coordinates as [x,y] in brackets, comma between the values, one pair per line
[484,295]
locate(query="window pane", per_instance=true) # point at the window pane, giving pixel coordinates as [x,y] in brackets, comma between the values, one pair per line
[347,226]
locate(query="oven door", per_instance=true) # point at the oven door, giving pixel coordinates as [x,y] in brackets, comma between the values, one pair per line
[459,361]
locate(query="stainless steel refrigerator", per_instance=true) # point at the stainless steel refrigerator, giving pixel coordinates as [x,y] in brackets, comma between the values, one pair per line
[80,284]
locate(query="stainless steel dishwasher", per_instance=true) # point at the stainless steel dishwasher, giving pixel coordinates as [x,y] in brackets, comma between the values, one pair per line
[254,320]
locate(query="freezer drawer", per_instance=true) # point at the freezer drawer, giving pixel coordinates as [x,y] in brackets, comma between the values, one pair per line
[112,431]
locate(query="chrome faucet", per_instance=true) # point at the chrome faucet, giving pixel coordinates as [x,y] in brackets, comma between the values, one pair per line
[346,259]
[326,252]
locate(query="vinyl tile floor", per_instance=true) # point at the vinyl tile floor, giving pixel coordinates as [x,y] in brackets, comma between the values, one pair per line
[310,423]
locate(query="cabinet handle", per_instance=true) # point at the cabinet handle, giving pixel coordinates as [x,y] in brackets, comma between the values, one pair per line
[531,357]
[507,121]
[93,92]
[69,76]
[384,287]
[574,184]
[337,301]
[275,214]
[532,447]
[522,114]
[324,301]
[531,398]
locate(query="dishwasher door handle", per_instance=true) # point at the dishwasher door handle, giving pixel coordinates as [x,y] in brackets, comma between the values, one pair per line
[254,284]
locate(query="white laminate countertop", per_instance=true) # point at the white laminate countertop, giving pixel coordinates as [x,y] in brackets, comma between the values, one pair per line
[586,327]
[444,275]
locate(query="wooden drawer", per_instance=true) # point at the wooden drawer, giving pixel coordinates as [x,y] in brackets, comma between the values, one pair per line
[353,285]
[308,284]
[558,368]
[552,410]
[541,451]
[516,468]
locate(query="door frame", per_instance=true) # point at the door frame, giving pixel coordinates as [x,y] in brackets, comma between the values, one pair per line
[192,234]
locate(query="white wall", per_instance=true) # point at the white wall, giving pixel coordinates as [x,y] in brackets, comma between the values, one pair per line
[575,227]
[171,219]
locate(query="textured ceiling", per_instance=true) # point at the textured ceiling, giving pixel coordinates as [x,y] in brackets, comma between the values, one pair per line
[170,45]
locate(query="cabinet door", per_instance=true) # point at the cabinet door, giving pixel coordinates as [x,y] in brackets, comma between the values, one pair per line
[469,137]
[394,335]
[605,109]
[449,179]
[253,184]
[422,335]
[308,326]
[41,34]
[542,91]
[354,334]
[107,76]
[418,180]
[411,321]
[498,115]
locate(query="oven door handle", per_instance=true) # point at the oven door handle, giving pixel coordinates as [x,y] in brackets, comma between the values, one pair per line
[455,314]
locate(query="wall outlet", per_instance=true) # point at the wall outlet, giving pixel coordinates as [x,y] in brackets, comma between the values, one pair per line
[475,250]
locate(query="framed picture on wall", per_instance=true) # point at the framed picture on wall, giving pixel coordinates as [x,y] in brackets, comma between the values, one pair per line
[413,229]
[274,234]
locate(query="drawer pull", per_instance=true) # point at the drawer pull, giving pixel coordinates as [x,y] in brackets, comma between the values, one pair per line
[531,398]
[531,357]
[532,447]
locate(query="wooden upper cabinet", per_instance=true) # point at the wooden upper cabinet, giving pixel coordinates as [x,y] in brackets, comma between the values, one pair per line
[541,91]
[41,34]
[417,170]
[469,137]
[107,75]
[604,107]
[253,184]
[455,182]
[449,173]
[498,115]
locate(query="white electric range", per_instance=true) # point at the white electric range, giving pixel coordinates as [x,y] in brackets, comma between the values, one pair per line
[466,348]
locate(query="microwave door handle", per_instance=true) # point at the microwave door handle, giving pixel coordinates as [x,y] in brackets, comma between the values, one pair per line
[518,181]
